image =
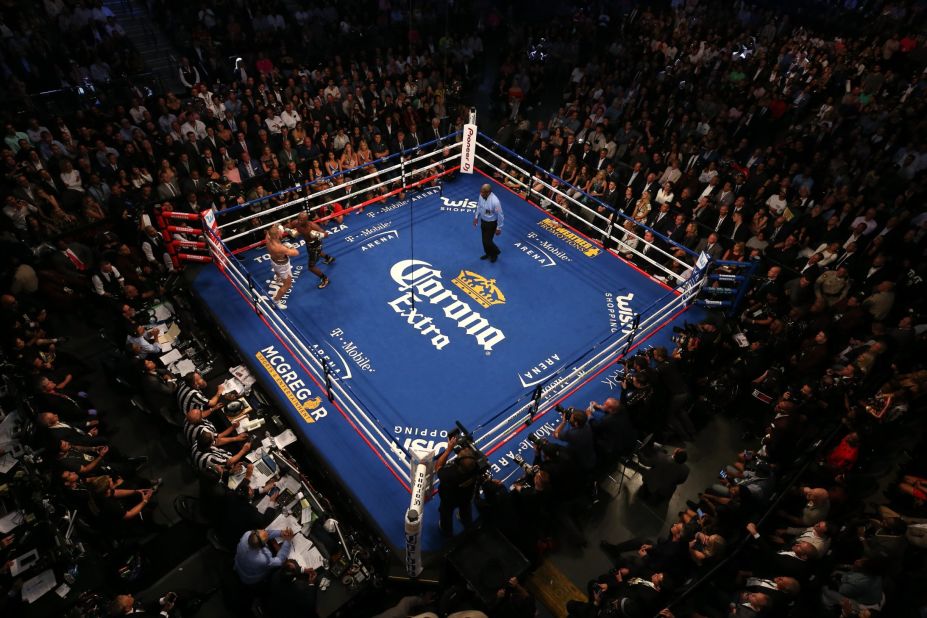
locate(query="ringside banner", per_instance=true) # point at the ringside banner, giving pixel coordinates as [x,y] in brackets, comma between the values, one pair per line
[468,148]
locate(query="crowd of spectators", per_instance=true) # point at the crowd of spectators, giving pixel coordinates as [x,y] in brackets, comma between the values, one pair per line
[748,137]
[734,132]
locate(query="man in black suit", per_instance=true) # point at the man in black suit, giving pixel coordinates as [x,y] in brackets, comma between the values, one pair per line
[660,218]
[777,230]
[127,605]
[415,139]
[556,161]
[867,278]
[436,131]
[602,160]
[193,184]
[186,165]
[651,185]
[628,201]
[401,143]
[57,430]
[739,231]
[248,169]
[191,146]
[572,147]
[636,180]
[588,155]
[211,141]
[848,259]
[723,224]
[796,561]
[677,229]
[239,146]
[710,245]
[293,591]
[388,130]
[666,472]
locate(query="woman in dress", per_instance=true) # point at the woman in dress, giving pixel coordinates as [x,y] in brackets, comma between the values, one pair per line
[348,157]
[332,166]
[642,208]
[364,154]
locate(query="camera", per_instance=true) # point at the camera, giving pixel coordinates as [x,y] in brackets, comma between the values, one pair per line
[524,465]
[465,441]
[536,441]
[528,479]
[684,336]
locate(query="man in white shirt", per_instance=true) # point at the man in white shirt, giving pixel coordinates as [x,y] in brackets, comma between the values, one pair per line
[195,125]
[290,117]
[777,203]
[868,219]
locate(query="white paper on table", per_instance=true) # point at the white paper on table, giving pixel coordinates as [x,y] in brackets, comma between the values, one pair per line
[264,504]
[171,357]
[232,385]
[285,438]
[288,482]
[9,521]
[184,367]
[38,586]
[167,346]
[305,553]
[284,521]
[162,313]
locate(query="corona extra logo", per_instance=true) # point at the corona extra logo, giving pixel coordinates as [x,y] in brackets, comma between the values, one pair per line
[420,282]
[484,291]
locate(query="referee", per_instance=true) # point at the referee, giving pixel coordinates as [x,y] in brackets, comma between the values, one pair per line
[489,214]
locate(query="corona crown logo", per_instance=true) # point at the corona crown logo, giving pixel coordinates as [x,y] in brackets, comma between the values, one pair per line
[484,291]
[312,404]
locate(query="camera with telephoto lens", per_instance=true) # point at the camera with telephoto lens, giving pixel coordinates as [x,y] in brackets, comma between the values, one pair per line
[536,441]
[530,470]
[465,441]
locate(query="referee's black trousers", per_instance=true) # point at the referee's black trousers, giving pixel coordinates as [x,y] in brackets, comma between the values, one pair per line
[488,228]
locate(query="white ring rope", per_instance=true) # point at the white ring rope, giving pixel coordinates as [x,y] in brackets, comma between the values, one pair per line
[371,428]
[300,200]
[362,420]
[593,212]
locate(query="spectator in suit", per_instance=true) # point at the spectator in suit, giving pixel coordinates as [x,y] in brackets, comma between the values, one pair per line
[248,169]
[739,229]
[666,472]
[636,179]
[710,245]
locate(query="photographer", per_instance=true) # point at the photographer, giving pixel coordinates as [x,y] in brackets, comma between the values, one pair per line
[458,482]
[574,436]
[637,399]
[612,431]
[675,393]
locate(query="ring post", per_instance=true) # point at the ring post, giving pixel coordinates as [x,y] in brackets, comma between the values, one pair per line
[422,464]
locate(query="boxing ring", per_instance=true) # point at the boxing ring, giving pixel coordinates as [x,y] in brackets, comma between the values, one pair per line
[414,332]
